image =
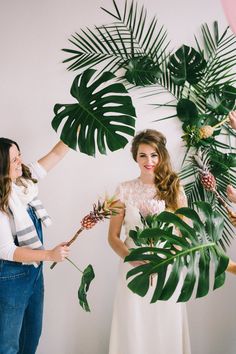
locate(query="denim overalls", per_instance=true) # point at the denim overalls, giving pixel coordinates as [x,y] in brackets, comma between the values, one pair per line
[21,303]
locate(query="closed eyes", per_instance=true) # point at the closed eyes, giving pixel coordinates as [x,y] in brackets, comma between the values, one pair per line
[15,158]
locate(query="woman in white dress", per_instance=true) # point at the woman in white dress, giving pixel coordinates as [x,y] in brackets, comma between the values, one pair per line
[139,327]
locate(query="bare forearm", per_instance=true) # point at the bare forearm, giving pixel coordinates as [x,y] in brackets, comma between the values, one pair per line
[57,254]
[54,156]
[23,254]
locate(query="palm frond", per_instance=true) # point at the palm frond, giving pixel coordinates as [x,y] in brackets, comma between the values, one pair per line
[221,167]
[113,45]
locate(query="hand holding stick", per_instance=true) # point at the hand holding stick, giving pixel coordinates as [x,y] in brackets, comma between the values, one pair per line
[69,243]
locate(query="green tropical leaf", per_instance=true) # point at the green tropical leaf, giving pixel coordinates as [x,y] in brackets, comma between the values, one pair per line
[186,64]
[102,113]
[187,112]
[190,254]
[112,45]
[220,165]
[219,53]
[142,71]
[88,276]
[221,101]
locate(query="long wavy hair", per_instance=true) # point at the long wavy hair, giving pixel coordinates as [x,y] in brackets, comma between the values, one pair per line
[5,180]
[166,180]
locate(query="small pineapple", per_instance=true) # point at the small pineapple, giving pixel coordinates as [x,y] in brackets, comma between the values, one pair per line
[209,183]
[208,180]
[193,134]
[100,212]
[89,221]
[206,131]
[206,177]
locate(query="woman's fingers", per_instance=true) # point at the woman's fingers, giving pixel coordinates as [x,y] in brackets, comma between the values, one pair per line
[231,193]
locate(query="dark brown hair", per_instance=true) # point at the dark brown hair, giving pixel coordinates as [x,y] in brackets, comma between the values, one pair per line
[5,180]
[166,180]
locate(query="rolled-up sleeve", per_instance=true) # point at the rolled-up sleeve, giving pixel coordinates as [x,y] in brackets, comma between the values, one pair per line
[37,170]
[7,246]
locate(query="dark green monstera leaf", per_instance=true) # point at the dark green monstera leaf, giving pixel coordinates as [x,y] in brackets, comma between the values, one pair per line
[88,276]
[187,111]
[190,254]
[221,100]
[186,64]
[142,71]
[102,115]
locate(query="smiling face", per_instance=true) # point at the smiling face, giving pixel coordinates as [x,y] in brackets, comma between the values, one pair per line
[15,169]
[147,159]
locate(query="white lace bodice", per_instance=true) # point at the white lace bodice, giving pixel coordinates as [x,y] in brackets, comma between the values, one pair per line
[137,197]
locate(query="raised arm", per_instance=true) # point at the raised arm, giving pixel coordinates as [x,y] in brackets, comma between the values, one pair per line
[54,156]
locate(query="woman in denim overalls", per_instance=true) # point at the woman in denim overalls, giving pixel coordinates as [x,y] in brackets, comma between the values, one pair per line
[21,278]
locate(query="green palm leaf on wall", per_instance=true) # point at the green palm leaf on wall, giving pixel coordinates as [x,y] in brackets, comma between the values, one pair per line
[186,64]
[222,166]
[127,42]
[205,77]
[103,114]
[191,254]
[142,71]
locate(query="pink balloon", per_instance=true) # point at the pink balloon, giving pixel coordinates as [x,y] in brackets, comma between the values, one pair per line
[229,7]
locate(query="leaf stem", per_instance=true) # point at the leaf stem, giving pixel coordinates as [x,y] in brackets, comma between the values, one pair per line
[69,260]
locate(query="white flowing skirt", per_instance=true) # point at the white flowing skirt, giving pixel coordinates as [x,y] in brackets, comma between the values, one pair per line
[139,327]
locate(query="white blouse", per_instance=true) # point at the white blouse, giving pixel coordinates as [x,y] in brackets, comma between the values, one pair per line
[7,227]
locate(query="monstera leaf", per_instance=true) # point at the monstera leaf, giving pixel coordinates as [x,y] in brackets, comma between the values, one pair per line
[88,276]
[102,113]
[187,111]
[186,64]
[190,254]
[222,101]
[142,71]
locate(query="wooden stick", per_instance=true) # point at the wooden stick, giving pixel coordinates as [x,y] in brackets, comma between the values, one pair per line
[221,201]
[222,122]
[69,243]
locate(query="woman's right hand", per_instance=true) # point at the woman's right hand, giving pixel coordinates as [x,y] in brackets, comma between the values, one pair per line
[59,253]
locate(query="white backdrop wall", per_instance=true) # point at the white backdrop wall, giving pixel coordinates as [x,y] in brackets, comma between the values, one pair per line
[32,80]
